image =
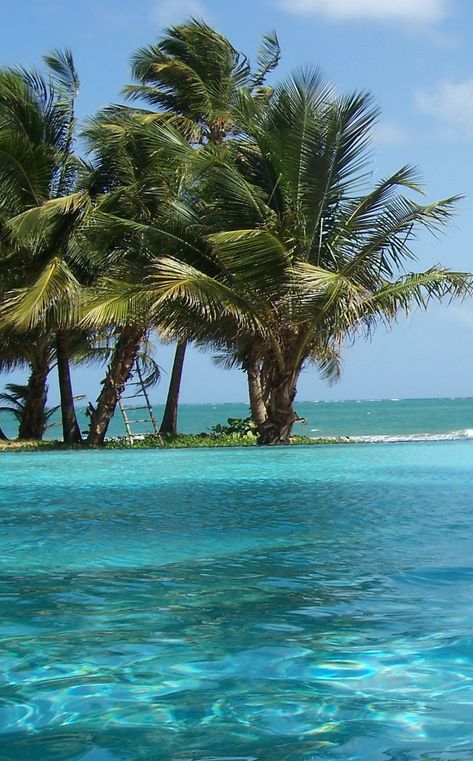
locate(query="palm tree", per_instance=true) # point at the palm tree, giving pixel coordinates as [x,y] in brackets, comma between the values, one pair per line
[315,256]
[38,172]
[131,191]
[53,295]
[16,402]
[196,79]
[35,351]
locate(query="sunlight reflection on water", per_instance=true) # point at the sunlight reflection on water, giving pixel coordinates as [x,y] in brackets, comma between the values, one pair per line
[311,603]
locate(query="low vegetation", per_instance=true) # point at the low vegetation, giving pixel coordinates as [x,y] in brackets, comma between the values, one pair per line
[166,441]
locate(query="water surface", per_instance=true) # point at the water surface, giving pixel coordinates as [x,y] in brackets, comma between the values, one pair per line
[375,417]
[296,604]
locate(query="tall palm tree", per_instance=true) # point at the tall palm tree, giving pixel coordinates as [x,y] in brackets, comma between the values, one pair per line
[38,171]
[315,255]
[195,79]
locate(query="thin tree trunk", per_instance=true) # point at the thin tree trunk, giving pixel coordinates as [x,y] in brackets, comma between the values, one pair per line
[33,422]
[70,427]
[259,412]
[169,421]
[118,373]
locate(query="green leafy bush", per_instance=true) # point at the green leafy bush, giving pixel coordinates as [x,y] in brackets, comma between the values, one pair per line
[235,425]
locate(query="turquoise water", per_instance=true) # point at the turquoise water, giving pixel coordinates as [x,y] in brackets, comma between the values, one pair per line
[386,417]
[297,604]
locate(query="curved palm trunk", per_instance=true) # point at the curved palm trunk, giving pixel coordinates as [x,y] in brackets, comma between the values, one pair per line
[33,420]
[70,427]
[271,400]
[169,421]
[281,415]
[119,371]
[259,412]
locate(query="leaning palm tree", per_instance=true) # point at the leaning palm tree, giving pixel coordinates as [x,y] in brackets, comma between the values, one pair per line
[194,79]
[310,255]
[131,190]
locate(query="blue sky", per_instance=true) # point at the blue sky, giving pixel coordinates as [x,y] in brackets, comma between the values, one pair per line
[414,55]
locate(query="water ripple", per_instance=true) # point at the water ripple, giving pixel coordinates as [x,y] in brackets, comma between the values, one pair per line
[302,605]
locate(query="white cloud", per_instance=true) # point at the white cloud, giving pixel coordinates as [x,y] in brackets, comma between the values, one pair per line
[424,11]
[391,133]
[451,104]
[173,11]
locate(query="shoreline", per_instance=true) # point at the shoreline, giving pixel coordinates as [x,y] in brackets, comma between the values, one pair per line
[225,441]
[181,441]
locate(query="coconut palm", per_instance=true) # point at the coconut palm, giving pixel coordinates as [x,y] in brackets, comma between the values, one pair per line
[38,172]
[56,289]
[121,180]
[34,351]
[16,401]
[315,256]
[131,191]
[195,79]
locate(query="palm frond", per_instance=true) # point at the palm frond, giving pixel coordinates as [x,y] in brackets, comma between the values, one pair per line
[252,257]
[417,289]
[61,64]
[53,295]
[267,59]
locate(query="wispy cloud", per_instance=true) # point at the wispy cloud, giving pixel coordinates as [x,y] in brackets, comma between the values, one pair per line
[451,104]
[391,133]
[416,11]
[172,11]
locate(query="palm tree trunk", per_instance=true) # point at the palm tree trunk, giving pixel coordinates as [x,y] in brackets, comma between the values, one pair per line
[119,371]
[169,421]
[276,416]
[70,427]
[33,421]
[259,412]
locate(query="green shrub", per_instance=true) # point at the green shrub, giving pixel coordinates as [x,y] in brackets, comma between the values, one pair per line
[235,425]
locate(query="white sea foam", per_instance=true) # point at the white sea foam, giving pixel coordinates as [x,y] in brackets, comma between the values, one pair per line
[463,435]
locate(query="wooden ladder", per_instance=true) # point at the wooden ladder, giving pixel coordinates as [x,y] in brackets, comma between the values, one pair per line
[146,406]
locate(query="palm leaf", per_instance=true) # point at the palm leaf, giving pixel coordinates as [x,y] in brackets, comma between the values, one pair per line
[267,59]
[53,295]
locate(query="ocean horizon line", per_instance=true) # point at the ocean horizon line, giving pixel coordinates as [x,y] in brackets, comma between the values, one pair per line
[320,401]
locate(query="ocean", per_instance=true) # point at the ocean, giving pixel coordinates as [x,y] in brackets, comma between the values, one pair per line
[366,419]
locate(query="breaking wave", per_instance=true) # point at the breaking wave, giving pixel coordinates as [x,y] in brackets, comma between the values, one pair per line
[463,435]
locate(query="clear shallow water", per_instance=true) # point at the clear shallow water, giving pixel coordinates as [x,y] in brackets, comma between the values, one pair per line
[385,417]
[299,604]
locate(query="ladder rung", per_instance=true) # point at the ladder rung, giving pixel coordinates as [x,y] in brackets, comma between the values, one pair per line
[130,409]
